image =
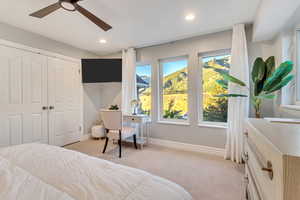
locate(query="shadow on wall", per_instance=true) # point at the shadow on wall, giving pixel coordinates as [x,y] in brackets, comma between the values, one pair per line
[97,96]
[111,94]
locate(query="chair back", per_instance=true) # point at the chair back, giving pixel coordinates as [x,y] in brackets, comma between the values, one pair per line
[112,119]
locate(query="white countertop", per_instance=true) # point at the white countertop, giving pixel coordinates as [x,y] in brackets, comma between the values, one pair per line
[285,137]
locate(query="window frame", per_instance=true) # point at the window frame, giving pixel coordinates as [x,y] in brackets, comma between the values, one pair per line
[160,113]
[297,68]
[201,56]
[139,64]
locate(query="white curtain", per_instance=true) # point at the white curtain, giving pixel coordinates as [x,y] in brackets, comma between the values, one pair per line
[238,108]
[129,91]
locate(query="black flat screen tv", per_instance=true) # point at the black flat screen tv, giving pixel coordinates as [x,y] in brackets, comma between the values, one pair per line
[101,70]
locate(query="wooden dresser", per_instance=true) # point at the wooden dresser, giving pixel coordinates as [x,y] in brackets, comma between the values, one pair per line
[272,156]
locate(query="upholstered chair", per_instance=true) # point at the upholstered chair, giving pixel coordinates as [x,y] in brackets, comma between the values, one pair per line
[113,124]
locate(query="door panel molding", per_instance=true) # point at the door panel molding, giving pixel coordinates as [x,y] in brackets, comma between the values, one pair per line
[24,90]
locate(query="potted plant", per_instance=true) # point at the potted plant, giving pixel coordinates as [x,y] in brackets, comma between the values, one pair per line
[266,81]
[114,107]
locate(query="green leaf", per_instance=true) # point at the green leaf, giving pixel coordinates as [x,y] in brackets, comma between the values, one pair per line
[233,79]
[227,77]
[283,83]
[223,83]
[231,95]
[259,69]
[220,71]
[266,96]
[258,87]
[270,66]
[283,70]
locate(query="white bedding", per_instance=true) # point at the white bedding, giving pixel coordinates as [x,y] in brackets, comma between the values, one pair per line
[43,172]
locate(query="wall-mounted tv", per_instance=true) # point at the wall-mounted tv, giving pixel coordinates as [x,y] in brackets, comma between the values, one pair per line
[101,70]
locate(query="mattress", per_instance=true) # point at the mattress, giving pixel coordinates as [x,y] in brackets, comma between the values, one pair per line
[44,172]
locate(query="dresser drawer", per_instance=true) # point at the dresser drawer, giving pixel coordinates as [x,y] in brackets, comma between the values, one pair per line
[251,189]
[273,147]
[266,164]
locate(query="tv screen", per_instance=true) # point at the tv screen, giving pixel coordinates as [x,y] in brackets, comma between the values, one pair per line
[101,70]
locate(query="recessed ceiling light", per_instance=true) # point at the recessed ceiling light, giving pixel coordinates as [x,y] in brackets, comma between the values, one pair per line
[190,17]
[102,41]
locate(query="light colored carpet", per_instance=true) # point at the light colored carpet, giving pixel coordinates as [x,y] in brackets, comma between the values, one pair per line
[206,177]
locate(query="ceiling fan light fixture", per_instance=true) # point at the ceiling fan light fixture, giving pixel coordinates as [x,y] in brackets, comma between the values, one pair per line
[67,5]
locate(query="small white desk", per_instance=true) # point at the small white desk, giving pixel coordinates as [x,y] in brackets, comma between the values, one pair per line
[144,127]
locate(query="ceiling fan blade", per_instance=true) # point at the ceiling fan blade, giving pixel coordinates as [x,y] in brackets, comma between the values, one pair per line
[92,17]
[46,11]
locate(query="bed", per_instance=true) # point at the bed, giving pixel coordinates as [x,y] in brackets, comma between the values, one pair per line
[44,172]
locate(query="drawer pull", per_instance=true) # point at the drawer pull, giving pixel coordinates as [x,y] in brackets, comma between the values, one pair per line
[246,157]
[269,169]
[261,161]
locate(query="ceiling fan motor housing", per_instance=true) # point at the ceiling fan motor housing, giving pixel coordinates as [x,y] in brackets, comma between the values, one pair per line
[68,5]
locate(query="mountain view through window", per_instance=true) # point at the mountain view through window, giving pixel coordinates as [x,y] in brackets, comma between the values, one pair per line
[174,89]
[214,108]
[143,82]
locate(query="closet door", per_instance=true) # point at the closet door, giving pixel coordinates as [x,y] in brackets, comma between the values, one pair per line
[64,101]
[23,94]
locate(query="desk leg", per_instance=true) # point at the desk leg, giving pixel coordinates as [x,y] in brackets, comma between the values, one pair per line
[148,132]
[142,135]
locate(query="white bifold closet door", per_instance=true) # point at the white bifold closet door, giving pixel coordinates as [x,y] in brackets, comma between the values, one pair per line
[29,84]
[23,94]
[64,101]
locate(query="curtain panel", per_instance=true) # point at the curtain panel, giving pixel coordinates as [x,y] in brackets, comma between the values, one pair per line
[129,91]
[238,108]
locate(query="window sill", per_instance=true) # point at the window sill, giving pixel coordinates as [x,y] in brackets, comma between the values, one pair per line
[174,123]
[209,125]
[290,107]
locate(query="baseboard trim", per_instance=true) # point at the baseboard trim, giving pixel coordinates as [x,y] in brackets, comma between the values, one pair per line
[188,147]
[85,137]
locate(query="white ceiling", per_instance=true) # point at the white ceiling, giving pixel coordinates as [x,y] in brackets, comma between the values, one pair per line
[264,26]
[136,23]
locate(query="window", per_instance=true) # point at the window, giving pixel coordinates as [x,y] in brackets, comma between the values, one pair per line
[214,109]
[143,83]
[298,67]
[174,89]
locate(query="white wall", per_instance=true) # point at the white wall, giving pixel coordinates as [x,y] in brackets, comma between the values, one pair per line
[287,50]
[99,96]
[193,134]
[283,47]
[264,50]
[21,36]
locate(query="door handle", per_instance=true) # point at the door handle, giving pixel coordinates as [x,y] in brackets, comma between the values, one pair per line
[51,107]
[45,107]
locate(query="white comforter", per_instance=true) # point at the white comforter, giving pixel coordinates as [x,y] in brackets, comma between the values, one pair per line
[43,172]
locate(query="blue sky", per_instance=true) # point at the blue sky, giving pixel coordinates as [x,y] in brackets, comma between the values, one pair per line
[168,68]
[143,70]
[171,67]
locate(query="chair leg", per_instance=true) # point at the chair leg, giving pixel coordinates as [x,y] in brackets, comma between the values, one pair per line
[134,141]
[106,141]
[120,144]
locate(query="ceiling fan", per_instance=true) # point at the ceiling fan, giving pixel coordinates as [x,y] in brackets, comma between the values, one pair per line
[71,5]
